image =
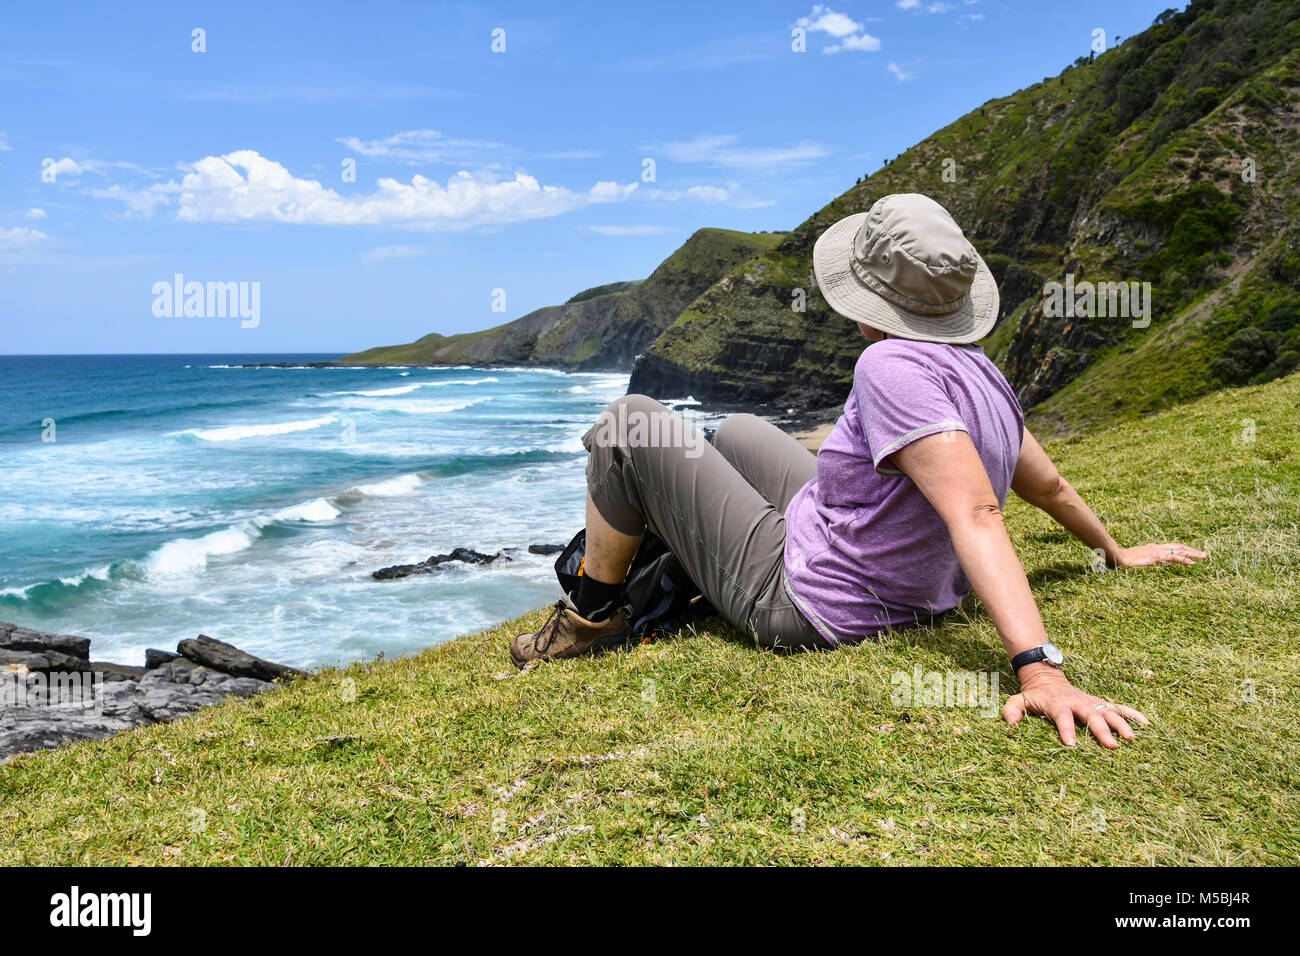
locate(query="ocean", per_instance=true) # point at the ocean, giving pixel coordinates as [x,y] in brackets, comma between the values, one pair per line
[151,498]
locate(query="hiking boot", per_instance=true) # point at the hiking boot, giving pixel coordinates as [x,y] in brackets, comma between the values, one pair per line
[567,634]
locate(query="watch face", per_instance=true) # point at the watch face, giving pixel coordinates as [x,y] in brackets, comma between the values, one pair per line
[1053,654]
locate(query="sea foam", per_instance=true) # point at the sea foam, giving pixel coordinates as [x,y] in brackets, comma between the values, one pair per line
[187,555]
[238,432]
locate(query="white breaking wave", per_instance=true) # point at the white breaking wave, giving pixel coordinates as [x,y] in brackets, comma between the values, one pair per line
[397,390]
[573,445]
[99,574]
[317,509]
[237,432]
[392,487]
[410,406]
[404,389]
[76,580]
[528,368]
[187,555]
[461,381]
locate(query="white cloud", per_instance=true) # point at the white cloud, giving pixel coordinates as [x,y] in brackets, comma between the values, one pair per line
[722,151]
[19,236]
[632,230]
[418,146]
[732,194]
[244,186]
[4,141]
[36,213]
[902,75]
[840,26]
[138,202]
[65,167]
[825,20]
[866,43]
[393,252]
[939,6]
[697,193]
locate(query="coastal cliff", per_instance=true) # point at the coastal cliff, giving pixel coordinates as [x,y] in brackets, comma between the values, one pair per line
[601,328]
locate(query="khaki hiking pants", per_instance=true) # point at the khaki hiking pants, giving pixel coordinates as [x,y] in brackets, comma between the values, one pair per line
[720,508]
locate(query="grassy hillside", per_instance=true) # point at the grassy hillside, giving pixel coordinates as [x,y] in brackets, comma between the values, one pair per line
[602,327]
[701,749]
[1126,168]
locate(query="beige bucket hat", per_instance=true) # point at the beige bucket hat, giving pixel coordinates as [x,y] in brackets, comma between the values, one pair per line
[906,268]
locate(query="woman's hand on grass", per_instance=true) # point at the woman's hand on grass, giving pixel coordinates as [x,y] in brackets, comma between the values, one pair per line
[1048,693]
[1146,555]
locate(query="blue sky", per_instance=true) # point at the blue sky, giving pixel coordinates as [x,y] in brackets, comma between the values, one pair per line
[475,170]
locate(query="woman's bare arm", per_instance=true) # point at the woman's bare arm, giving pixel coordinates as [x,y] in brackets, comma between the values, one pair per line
[1038,482]
[948,471]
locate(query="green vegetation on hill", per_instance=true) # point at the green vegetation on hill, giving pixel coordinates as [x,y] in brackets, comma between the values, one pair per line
[600,328]
[702,749]
[1171,159]
[606,289]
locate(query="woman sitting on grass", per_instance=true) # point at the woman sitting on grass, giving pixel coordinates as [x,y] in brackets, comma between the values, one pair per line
[897,518]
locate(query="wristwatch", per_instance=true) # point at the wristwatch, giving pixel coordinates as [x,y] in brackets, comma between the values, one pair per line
[1043,652]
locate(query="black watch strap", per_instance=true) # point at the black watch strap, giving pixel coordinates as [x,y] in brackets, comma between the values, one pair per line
[1031,656]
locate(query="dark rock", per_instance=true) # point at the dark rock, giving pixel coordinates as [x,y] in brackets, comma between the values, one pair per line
[181,687]
[156,658]
[37,709]
[175,671]
[431,563]
[40,728]
[165,701]
[43,661]
[23,660]
[545,548]
[116,672]
[244,686]
[16,638]
[121,699]
[228,659]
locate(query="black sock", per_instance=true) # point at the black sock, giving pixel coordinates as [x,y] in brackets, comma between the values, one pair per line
[597,600]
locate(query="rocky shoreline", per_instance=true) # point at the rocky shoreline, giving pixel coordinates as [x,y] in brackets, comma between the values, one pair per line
[461,555]
[51,692]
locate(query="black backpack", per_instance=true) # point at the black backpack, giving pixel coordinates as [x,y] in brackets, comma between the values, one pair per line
[662,595]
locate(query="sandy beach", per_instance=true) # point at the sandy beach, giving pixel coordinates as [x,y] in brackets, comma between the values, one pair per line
[812,438]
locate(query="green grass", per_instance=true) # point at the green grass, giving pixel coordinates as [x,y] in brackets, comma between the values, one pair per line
[702,749]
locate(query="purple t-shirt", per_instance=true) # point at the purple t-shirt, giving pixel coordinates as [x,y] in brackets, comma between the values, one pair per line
[864,549]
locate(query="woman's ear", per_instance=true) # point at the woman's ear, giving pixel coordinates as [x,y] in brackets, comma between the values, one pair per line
[872,335]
